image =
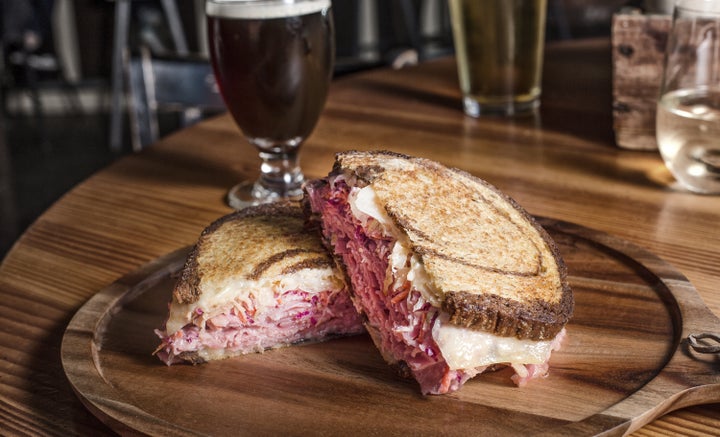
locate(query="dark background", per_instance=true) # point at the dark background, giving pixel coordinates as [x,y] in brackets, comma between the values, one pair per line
[45,152]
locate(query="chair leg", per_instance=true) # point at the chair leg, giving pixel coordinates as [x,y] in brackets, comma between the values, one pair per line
[122,22]
[175,25]
[8,209]
[410,20]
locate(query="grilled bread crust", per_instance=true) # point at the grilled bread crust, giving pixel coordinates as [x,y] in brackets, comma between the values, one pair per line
[267,239]
[492,266]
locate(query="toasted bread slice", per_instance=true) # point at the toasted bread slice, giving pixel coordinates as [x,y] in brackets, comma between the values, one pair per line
[446,241]
[479,247]
[256,279]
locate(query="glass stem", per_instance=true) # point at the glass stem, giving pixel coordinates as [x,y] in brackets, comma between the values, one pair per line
[280,174]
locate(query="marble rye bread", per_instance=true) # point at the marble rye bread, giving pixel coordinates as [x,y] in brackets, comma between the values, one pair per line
[494,267]
[256,279]
[453,277]
[267,238]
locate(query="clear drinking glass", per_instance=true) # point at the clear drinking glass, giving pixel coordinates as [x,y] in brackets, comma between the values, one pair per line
[499,51]
[688,112]
[273,60]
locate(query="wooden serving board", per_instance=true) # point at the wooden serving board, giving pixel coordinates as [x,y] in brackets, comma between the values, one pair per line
[625,362]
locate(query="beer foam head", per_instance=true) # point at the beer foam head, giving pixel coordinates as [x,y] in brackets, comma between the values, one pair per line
[264,9]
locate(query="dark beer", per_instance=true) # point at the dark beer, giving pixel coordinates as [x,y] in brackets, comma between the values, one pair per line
[273,64]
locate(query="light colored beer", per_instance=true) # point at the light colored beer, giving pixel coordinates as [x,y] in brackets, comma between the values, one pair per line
[499,49]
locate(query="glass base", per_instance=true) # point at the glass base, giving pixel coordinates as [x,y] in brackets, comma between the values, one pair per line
[249,193]
[473,108]
[696,169]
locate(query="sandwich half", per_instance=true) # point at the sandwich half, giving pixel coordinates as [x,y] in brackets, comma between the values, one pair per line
[452,277]
[256,279]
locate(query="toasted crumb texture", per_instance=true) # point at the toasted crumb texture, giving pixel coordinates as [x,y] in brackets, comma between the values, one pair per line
[491,264]
[257,279]
[240,248]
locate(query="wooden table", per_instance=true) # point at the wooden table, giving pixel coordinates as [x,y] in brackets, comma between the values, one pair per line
[561,164]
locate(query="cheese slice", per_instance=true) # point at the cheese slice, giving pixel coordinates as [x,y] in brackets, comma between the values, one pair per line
[462,348]
[465,348]
[257,294]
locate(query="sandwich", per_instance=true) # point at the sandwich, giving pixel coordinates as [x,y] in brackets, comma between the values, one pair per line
[452,277]
[256,279]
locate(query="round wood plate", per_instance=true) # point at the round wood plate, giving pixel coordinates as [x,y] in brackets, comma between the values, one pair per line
[625,362]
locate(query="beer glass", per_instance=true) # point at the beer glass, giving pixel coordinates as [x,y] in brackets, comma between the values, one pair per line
[499,50]
[688,112]
[273,60]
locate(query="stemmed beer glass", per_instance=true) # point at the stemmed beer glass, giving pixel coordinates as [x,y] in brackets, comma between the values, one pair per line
[273,60]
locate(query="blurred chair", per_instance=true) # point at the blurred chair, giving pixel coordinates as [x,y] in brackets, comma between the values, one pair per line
[8,206]
[120,46]
[575,19]
[183,85]
[397,33]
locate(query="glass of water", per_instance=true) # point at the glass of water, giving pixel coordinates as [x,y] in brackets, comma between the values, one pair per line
[688,113]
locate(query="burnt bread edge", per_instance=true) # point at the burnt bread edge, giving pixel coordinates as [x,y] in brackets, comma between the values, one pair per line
[534,320]
[563,310]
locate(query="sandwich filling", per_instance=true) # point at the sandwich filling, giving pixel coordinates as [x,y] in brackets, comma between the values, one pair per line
[309,305]
[401,302]
[256,279]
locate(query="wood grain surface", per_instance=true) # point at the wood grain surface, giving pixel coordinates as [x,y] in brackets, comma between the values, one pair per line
[561,164]
[639,43]
[614,372]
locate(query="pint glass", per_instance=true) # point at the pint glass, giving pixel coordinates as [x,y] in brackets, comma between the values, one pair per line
[499,50]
